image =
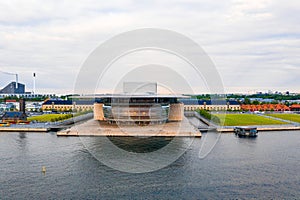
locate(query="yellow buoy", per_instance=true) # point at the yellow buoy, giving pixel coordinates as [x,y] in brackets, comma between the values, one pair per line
[44,169]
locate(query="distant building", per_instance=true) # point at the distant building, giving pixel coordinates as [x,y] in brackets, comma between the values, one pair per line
[293,101]
[33,106]
[217,105]
[27,95]
[14,117]
[3,107]
[295,107]
[12,88]
[58,105]
[262,100]
[83,105]
[265,107]
[66,105]
[12,104]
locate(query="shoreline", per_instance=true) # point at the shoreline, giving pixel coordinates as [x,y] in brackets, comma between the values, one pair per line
[66,132]
[67,128]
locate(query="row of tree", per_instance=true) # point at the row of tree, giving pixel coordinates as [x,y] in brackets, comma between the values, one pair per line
[256,102]
[276,97]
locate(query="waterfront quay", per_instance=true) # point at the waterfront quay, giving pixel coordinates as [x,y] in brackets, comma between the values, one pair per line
[102,128]
[86,126]
[24,129]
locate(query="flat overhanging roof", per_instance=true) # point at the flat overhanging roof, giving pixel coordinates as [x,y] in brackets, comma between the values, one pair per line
[125,95]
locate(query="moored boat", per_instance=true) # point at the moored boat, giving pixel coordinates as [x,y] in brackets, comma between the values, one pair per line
[4,124]
[246,131]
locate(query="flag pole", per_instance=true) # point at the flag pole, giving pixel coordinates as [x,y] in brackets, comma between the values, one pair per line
[33,83]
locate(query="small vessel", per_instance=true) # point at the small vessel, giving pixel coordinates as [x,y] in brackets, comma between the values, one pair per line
[4,124]
[246,131]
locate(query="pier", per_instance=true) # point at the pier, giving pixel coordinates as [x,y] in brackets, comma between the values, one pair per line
[24,129]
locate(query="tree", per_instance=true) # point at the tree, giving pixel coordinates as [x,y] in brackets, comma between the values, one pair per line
[287,103]
[247,101]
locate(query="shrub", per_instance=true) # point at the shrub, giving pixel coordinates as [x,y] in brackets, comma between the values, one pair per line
[207,115]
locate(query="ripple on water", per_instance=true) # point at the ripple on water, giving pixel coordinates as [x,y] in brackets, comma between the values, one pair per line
[266,167]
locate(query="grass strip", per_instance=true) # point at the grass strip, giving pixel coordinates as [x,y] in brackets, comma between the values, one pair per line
[50,117]
[246,120]
[290,117]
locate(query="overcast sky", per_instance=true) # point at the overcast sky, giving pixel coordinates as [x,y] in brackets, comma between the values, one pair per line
[255,44]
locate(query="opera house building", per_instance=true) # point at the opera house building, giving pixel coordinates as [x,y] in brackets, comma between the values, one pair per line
[144,107]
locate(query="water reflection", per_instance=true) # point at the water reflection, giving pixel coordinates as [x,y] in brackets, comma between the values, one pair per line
[137,155]
[22,135]
[250,142]
[140,144]
[22,141]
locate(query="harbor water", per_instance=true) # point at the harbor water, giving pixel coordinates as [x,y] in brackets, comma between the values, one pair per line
[266,167]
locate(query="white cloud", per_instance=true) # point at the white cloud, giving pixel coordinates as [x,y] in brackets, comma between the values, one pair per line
[256,40]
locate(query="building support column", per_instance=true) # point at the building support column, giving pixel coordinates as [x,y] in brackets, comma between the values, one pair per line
[176,112]
[98,111]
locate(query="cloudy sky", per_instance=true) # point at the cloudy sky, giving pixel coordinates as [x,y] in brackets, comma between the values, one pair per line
[255,45]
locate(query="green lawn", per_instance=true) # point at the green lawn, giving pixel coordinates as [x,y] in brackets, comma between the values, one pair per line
[290,117]
[48,117]
[246,119]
